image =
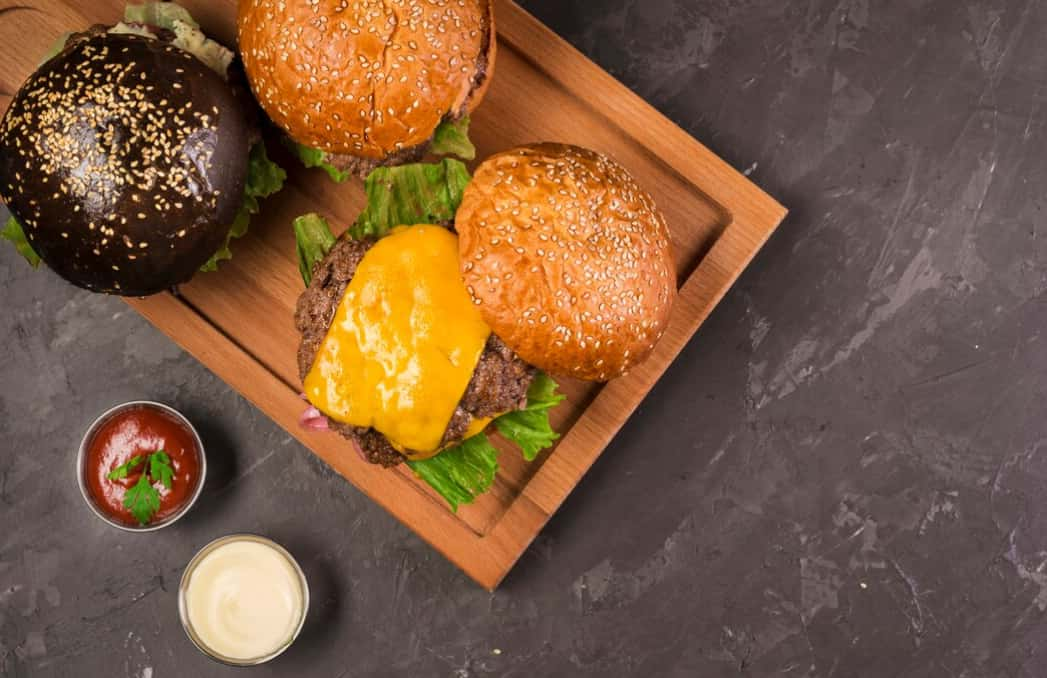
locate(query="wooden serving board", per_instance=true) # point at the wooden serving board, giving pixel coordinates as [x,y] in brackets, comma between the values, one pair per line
[239,321]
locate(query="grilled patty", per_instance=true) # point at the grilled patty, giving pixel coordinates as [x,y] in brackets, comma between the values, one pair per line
[361,167]
[499,383]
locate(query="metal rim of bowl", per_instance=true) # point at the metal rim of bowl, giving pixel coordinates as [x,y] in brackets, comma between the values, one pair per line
[183,586]
[81,460]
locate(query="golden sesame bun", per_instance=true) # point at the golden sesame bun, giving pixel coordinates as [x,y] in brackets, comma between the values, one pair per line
[366,78]
[568,259]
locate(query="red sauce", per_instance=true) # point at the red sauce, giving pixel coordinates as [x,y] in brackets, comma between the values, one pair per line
[141,430]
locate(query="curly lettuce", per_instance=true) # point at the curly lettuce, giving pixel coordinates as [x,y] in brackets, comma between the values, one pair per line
[187,33]
[313,240]
[264,178]
[314,157]
[160,14]
[529,428]
[14,233]
[452,138]
[418,193]
[462,473]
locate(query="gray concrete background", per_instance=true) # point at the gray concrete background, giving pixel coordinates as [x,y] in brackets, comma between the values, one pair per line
[843,476]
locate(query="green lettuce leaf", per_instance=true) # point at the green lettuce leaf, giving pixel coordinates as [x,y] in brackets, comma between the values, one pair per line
[264,178]
[529,428]
[461,473]
[131,29]
[160,14]
[313,240]
[188,35]
[452,138]
[419,193]
[13,231]
[56,48]
[314,157]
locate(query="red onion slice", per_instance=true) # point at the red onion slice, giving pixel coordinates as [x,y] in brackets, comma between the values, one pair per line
[313,419]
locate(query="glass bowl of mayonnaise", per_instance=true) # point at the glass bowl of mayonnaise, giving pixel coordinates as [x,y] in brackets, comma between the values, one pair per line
[243,600]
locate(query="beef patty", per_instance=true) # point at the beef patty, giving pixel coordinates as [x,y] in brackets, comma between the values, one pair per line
[499,383]
[361,167]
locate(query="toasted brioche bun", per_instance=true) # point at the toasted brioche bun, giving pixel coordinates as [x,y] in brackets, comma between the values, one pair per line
[568,259]
[366,78]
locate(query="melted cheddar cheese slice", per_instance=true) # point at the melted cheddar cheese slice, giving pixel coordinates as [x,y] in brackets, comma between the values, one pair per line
[403,343]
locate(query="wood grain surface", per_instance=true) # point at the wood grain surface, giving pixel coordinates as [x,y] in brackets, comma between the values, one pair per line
[239,321]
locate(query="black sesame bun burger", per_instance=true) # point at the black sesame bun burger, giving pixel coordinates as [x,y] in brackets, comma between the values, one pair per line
[128,159]
[369,83]
[423,327]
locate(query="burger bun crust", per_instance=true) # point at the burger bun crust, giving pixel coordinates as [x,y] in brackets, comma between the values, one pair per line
[369,78]
[568,259]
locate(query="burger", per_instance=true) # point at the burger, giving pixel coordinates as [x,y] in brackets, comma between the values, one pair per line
[132,156]
[453,302]
[371,83]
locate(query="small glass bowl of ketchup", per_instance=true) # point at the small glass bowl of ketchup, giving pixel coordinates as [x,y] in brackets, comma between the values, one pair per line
[141,466]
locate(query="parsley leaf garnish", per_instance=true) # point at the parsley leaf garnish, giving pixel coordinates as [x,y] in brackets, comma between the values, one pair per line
[122,470]
[160,468]
[142,499]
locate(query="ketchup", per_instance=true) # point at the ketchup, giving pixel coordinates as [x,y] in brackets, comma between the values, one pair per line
[141,430]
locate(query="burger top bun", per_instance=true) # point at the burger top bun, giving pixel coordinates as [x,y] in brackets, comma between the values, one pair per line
[123,158]
[366,78]
[568,259]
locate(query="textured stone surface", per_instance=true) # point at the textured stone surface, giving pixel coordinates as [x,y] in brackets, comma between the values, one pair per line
[843,475]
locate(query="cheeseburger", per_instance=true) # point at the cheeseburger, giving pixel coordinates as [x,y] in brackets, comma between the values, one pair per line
[370,83]
[131,156]
[553,262]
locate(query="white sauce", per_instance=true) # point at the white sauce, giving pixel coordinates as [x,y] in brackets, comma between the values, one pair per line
[244,600]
